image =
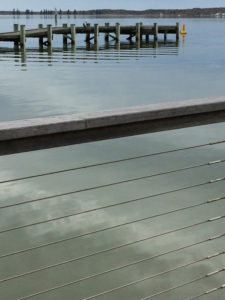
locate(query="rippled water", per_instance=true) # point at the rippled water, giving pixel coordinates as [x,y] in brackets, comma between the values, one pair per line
[37,83]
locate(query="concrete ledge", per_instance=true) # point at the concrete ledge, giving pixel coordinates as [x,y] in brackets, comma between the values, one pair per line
[81,122]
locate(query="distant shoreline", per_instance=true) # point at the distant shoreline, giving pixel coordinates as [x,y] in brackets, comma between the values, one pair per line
[156,13]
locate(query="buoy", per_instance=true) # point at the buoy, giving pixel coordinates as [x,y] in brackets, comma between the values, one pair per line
[183,31]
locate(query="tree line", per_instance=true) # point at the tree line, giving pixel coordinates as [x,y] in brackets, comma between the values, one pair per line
[195,12]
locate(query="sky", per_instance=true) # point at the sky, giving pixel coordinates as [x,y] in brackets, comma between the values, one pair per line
[113,4]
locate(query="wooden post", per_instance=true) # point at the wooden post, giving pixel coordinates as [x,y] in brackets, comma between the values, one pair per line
[138,32]
[16,29]
[165,36]
[156,32]
[178,32]
[118,32]
[73,34]
[147,38]
[96,33]
[141,37]
[40,26]
[49,35]
[22,36]
[64,36]
[88,35]
[107,34]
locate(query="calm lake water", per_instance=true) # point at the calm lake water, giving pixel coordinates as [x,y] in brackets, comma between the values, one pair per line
[65,81]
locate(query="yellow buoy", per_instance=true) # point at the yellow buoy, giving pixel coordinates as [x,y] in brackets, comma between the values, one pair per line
[183,31]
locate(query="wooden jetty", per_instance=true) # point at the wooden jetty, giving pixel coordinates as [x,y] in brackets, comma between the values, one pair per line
[20,34]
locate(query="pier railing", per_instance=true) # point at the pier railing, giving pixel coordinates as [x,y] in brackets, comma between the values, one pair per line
[193,229]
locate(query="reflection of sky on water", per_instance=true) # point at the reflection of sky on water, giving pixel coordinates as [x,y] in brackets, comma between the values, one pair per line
[14,166]
[65,82]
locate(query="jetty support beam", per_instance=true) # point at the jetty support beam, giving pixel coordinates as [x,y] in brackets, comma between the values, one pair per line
[118,32]
[73,34]
[16,29]
[178,32]
[138,32]
[40,26]
[22,36]
[65,36]
[156,32]
[49,35]
[107,34]
[96,33]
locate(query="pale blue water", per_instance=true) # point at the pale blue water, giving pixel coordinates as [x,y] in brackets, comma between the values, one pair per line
[65,81]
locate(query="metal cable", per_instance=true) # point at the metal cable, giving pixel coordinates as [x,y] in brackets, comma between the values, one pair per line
[208,292]
[153,276]
[113,205]
[109,250]
[111,162]
[150,277]
[112,184]
[78,236]
[184,284]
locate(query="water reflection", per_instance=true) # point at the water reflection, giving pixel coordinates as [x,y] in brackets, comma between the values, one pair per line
[106,52]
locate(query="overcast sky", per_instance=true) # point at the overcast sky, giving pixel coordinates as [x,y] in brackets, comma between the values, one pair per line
[91,4]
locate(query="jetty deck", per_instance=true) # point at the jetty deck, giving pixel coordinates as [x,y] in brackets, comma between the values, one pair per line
[19,35]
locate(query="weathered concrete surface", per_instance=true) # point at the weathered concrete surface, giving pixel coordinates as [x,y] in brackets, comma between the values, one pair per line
[44,133]
[59,124]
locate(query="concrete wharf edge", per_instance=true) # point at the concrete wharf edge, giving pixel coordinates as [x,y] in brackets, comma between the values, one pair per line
[55,131]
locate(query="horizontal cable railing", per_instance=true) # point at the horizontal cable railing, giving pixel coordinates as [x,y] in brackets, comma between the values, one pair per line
[209,225]
[208,292]
[112,162]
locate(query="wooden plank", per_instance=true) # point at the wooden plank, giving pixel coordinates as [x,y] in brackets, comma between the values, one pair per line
[43,133]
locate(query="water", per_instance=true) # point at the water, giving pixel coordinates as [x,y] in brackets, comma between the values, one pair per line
[64,81]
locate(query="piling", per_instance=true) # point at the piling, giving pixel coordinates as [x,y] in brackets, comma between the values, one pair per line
[49,35]
[96,33]
[65,36]
[141,37]
[73,34]
[22,36]
[138,32]
[156,32]
[118,32]
[147,38]
[16,29]
[107,34]
[165,36]
[178,31]
[88,35]
[40,26]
